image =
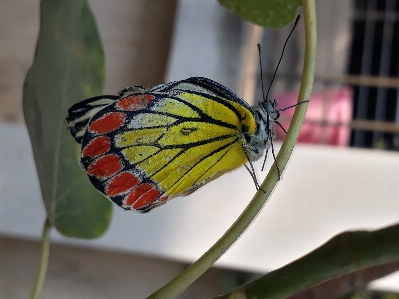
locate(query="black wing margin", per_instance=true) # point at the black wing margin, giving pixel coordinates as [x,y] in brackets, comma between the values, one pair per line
[80,114]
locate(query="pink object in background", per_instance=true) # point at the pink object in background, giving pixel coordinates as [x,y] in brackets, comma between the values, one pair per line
[327,119]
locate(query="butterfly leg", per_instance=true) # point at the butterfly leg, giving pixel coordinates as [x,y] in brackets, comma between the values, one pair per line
[274,158]
[251,171]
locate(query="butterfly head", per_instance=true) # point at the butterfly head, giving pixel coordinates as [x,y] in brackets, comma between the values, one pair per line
[270,109]
[267,112]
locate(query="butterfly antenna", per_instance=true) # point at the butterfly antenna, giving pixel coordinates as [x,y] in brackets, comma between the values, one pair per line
[261,73]
[281,56]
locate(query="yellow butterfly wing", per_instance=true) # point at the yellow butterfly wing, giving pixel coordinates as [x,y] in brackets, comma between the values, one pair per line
[153,145]
[184,140]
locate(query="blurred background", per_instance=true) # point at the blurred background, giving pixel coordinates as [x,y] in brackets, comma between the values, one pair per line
[343,174]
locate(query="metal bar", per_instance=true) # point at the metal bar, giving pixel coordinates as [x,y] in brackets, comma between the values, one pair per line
[367,55]
[385,62]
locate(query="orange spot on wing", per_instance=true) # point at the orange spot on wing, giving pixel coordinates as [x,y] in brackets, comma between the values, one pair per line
[121,183]
[105,166]
[98,146]
[142,196]
[136,102]
[108,123]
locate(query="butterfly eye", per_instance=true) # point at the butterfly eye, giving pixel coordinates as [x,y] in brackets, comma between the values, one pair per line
[273,106]
[244,128]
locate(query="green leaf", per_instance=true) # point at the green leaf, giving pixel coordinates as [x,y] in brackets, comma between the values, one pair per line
[68,67]
[266,13]
[343,254]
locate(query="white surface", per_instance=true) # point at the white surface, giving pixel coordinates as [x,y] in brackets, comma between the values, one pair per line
[324,191]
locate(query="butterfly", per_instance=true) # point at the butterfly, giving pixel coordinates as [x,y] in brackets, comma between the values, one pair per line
[143,147]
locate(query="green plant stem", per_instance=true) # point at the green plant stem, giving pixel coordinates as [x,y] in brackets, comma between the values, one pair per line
[185,278]
[38,286]
[309,16]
